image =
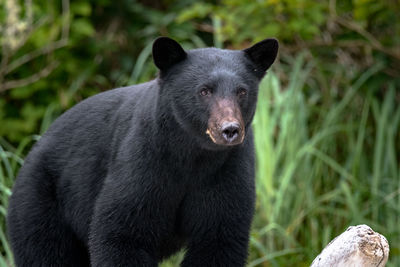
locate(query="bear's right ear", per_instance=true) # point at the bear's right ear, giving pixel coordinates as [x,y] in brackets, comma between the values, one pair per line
[263,53]
[167,52]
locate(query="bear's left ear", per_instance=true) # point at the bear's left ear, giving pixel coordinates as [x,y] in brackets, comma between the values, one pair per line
[263,53]
[167,52]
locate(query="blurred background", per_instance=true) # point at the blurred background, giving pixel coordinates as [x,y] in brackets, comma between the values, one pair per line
[327,124]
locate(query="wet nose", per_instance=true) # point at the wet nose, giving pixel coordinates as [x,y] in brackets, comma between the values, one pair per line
[230,131]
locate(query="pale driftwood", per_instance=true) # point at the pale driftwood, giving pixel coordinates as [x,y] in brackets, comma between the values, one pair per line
[358,246]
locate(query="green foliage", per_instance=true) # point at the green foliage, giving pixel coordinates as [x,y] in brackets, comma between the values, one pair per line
[41,47]
[316,178]
[296,18]
[292,20]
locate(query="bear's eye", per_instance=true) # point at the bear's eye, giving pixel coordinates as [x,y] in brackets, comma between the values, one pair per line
[205,91]
[242,92]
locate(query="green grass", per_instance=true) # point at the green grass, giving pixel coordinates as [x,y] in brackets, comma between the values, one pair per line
[10,161]
[320,169]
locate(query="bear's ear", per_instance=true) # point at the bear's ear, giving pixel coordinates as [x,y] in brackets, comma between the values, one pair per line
[167,52]
[263,54]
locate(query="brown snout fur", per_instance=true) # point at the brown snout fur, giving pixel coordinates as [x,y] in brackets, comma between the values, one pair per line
[225,111]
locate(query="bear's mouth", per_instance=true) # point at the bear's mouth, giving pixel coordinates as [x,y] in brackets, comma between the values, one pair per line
[208,132]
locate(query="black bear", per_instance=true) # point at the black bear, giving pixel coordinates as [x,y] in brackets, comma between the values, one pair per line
[130,176]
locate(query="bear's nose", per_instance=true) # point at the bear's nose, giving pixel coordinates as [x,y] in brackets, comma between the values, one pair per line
[230,131]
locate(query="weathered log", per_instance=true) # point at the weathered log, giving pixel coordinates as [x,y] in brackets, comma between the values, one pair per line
[358,246]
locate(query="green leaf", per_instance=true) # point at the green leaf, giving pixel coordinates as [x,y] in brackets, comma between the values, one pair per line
[81,8]
[83,27]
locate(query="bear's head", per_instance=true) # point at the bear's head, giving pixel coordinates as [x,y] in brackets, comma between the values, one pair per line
[212,92]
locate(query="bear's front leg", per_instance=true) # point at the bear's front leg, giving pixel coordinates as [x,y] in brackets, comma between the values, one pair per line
[128,223]
[226,247]
[217,220]
[118,239]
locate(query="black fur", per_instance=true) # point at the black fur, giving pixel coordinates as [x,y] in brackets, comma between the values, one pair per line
[128,177]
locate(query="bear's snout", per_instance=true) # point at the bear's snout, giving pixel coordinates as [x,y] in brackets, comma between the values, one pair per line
[225,124]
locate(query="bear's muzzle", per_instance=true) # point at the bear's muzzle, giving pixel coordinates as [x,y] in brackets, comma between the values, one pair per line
[225,125]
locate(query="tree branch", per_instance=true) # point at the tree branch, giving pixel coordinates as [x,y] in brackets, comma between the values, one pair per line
[34,54]
[6,67]
[358,246]
[31,79]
